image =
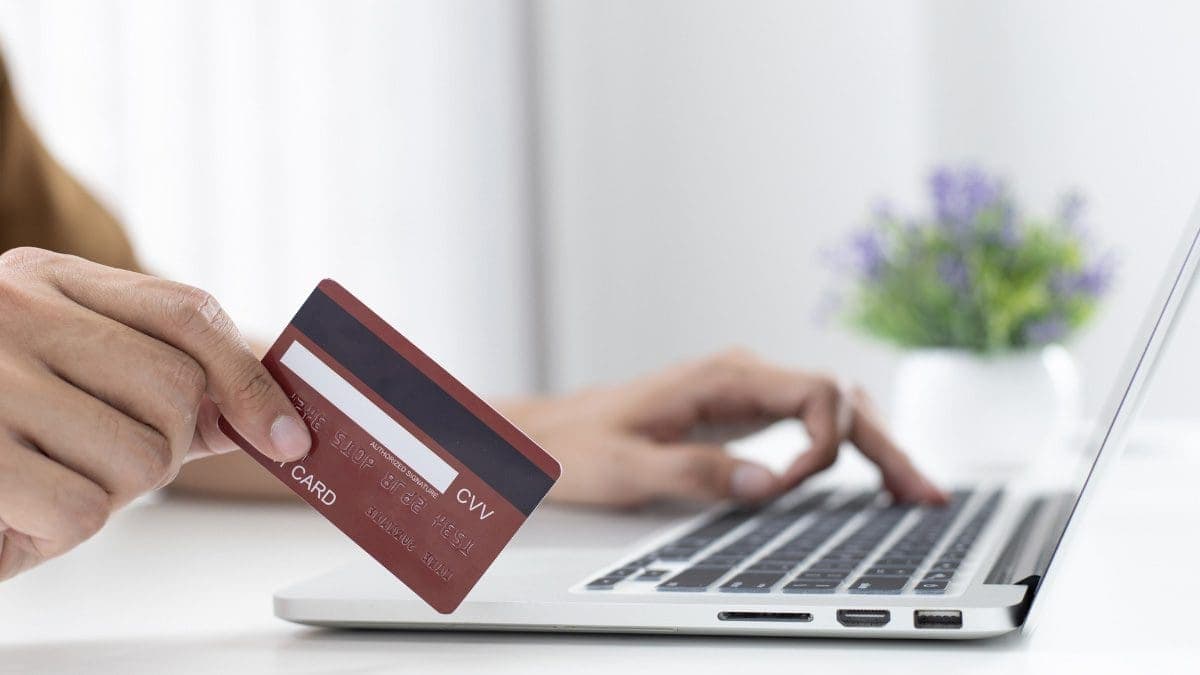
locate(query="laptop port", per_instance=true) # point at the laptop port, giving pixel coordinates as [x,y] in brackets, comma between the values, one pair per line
[765,616]
[863,618]
[937,618]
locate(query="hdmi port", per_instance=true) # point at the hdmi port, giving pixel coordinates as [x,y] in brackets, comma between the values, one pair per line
[863,618]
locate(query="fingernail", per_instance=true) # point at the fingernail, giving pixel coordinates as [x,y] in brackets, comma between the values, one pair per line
[750,481]
[290,438]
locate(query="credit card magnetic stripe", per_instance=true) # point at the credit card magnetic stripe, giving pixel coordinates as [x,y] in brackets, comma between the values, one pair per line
[406,388]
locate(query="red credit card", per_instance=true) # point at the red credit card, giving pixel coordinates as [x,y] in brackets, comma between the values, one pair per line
[406,461]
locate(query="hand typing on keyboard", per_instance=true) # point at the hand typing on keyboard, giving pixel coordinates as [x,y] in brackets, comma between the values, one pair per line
[632,443]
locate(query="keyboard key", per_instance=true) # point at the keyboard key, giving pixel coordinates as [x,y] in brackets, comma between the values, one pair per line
[693,579]
[720,560]
[651,575]
[890,571]
[840,555]
[837,564]
[739,547]
[623,572]
[769,566]
[875,585]
[783,560]
[811,586]
[604,583]
[752,582]
[817,576]
[676,554]
[926,587]
[899,562]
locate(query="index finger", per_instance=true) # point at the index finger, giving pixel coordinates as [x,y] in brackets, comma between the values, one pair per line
[900,477]
[191,320]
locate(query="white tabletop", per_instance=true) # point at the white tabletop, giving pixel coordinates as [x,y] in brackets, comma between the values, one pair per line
[178,585]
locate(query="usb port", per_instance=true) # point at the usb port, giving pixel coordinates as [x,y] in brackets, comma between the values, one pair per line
[937,618]
[863,618]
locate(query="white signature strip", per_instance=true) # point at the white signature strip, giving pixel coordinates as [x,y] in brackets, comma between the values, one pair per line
[353,404]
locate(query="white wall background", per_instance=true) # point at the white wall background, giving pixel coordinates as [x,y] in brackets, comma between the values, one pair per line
[253,147]
[701,156]
[693,158]
[697,158]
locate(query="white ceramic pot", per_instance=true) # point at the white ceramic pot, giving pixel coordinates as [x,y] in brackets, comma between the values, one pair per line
[960,413]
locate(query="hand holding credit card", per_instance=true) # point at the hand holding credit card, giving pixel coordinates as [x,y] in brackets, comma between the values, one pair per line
[421,473]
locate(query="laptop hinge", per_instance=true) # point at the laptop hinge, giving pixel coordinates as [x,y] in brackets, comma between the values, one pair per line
[1026,554]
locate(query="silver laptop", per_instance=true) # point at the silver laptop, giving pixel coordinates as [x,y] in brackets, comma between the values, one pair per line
[821,561]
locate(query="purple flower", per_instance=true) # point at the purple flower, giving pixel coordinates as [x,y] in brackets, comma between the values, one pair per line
[1045,331]
[1010,235]
[867,255]
[1093,281]
[1070,209]
[954,273]
[959,196]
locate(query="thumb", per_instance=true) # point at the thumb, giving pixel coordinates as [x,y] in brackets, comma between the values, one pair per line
[705,472]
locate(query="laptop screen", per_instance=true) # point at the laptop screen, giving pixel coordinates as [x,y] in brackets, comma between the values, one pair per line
[1131,376]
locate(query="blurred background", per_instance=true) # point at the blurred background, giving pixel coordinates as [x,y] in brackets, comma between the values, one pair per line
[545,195]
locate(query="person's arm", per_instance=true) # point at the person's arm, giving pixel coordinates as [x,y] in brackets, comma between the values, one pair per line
[111,379]
[653,437]
[43,206]
[619,445]
[659,436]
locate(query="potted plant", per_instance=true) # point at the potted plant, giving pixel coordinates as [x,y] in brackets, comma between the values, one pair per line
[981,299]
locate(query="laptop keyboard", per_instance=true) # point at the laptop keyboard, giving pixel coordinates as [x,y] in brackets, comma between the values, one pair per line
[941,572]
[891,572]
[741,550]
[761,577]
[704,572]
[827,573]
